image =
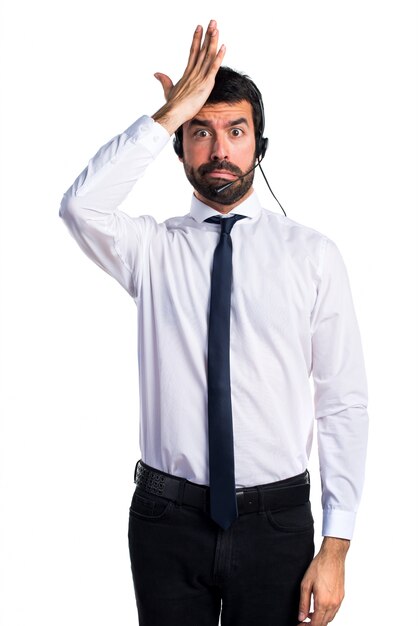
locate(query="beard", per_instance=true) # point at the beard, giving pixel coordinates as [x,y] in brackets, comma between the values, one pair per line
[207,188]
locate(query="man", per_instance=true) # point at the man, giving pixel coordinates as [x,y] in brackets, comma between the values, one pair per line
[221,513]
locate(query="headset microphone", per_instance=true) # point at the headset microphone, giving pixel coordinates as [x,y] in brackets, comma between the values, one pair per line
[220,189]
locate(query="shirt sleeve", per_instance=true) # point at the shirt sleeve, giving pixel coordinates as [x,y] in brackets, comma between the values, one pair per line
[110,237]
[340,396]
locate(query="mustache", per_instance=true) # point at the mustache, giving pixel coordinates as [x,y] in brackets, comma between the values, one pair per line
[206,168]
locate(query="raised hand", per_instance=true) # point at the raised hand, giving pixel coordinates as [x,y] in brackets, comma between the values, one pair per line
[189,94]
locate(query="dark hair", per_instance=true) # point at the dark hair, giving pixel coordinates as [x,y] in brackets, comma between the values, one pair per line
[231,86]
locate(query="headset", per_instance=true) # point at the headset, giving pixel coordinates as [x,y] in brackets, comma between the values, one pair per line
[261,144]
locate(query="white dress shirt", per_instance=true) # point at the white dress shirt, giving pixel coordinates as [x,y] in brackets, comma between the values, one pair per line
[291,316]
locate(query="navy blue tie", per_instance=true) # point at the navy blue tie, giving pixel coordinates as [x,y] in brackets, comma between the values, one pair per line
[223,504]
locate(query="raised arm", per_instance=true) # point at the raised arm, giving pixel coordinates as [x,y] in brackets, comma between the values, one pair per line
[90,207]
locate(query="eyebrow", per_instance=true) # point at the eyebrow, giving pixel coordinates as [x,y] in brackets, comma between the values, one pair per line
[196,122]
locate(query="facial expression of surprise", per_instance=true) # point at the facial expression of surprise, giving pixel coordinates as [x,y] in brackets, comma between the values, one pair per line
[218,147]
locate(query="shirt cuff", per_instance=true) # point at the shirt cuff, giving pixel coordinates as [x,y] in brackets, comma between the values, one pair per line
[149,134]
[337,523]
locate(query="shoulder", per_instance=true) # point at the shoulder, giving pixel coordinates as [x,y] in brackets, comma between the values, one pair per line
[296,229]
[297,235]
[304,243]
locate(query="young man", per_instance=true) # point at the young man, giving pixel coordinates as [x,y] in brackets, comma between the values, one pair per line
[221,510]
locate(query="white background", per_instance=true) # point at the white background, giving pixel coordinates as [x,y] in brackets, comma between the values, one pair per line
[339,85]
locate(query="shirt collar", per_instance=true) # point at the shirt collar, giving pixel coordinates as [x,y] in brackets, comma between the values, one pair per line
[200,211]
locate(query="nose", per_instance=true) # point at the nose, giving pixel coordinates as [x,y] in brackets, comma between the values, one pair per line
[220,150]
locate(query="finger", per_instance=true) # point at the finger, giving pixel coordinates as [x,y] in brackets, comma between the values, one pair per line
[317,618]
[211,34]
[216,64]
[309,616]
[321,618]
[212,27]
[211,52]
[305,600]
[194,49]
[166,83]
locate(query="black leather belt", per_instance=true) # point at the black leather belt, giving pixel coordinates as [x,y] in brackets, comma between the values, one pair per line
[271,496]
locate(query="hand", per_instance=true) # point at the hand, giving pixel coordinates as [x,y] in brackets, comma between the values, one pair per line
[187,97]
[324,579]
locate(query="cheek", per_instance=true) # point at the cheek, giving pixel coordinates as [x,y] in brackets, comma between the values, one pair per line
[196,153]
[243,153]
[244,162]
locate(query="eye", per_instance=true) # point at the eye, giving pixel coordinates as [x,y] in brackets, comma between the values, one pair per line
[236,132]
[202,133]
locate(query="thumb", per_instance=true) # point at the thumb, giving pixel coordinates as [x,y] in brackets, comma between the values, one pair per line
[166,83]
[305,601]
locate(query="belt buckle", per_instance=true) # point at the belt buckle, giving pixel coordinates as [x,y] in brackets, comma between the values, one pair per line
[247,500]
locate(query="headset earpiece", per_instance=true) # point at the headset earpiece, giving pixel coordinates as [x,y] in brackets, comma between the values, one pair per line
[262,142]
[262,147]
[178,145]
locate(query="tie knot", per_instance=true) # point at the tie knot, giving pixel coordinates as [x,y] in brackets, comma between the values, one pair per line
[226,222]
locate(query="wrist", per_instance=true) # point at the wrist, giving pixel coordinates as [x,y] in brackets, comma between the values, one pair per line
[335,545]
[169,118]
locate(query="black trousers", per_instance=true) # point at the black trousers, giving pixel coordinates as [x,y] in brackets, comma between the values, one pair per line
[189,572]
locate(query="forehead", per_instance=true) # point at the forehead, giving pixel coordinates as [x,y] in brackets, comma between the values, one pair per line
[223,113]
